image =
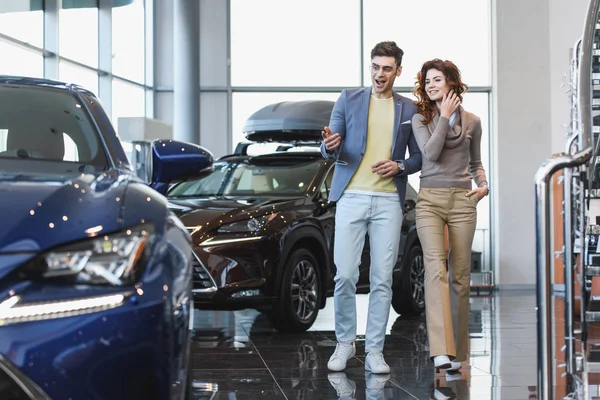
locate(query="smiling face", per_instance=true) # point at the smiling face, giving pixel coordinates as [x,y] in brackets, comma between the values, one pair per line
[383,74]
[436,85]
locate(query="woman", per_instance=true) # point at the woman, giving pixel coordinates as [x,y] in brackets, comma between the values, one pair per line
[450,139]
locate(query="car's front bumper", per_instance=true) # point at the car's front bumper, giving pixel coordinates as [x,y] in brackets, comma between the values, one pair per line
[235,274]
[119,353]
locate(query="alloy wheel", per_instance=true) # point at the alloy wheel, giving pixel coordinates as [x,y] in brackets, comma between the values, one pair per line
[304,290]
[417,280]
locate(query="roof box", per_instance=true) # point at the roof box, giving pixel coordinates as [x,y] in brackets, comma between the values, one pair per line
[289,121]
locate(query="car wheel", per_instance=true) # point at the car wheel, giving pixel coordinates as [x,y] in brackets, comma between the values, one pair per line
[300,296]
[409,288]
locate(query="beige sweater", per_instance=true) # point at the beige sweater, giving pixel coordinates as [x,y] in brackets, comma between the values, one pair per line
[451,156]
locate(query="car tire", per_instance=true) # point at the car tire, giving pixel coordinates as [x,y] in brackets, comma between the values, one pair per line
[297,305]
[408,297]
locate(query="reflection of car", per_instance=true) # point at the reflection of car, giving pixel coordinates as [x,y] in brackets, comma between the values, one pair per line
[263,228]
[95,271]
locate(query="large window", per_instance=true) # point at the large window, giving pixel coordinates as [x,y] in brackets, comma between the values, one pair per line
[128,45]
[78,34]
[21,62]
[127,101]
[300,46]
[70,73]
[456,30]
[17,20]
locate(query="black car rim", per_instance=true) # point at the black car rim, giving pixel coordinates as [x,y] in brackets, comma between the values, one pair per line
[304,290]
[417,278]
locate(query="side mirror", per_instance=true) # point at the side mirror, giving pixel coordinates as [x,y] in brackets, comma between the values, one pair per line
[409,205]
[174,161]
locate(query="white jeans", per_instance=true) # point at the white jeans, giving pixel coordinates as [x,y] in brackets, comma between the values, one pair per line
[381,218]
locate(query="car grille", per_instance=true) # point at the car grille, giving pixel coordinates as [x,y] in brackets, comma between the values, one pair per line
[202,279]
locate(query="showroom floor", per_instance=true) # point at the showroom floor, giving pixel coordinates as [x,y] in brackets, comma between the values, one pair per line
[237,355]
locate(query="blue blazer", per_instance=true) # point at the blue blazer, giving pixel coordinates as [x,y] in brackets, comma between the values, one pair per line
[349,118]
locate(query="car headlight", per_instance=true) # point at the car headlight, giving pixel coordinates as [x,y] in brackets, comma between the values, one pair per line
[115,259]
[247,225]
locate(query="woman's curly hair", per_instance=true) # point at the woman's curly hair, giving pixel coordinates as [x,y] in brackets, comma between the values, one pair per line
[425,106]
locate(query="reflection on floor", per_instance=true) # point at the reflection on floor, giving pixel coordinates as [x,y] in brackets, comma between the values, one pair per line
[237,355]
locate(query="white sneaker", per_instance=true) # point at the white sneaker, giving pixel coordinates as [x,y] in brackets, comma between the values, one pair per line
[376,382]
[376,363]
[455,376]
[343,352]
[439,395]
[441,362]
[343,386]
[454,367]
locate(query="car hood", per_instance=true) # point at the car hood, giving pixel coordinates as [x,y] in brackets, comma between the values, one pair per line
[213,212]
[40,212]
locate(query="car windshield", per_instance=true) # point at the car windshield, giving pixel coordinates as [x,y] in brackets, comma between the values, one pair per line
[248,178]
[43,129]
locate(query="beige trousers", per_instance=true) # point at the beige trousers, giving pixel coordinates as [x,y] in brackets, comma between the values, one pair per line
[447,290]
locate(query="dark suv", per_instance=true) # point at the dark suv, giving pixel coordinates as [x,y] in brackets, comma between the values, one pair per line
[262,226]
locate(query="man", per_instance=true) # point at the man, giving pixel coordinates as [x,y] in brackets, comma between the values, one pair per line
[372,132]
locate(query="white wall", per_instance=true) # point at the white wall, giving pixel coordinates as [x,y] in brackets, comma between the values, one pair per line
[533,40]
[522,135]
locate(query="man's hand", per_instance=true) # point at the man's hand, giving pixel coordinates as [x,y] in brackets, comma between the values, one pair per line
[331,140]
[385,168]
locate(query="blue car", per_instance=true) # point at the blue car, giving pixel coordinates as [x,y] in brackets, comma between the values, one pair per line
[95,271]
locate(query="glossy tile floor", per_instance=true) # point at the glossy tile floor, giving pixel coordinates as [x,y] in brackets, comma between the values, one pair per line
[237,355]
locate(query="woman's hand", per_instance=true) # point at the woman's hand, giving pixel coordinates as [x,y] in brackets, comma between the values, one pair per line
[479,193]
[450,103]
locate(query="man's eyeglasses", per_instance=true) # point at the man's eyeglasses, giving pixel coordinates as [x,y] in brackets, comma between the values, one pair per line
[386,68]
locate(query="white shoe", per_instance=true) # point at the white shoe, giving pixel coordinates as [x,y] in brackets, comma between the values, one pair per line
[454,367]
[376,363]
[343,386]
[441,362]
[438,395]
[451,377]
[376,382]
[343,352]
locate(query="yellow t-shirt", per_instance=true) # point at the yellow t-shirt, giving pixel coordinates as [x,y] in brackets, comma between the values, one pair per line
[379,147]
